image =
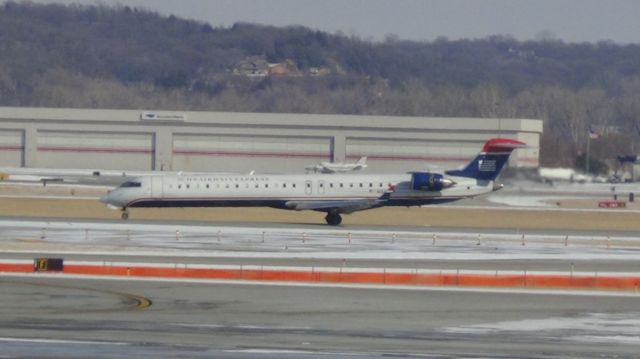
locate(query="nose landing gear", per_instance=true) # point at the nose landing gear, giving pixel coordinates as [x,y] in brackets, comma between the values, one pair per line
[333,219]
[125,214]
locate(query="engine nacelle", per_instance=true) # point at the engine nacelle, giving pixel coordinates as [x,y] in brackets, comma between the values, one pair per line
[426,181]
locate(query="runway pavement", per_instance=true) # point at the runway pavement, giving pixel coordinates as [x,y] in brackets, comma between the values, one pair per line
[77,318]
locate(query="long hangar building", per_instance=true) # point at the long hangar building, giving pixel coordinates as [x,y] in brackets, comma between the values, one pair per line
[242,142]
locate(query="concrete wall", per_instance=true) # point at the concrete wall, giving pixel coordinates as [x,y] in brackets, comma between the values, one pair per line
[241,142]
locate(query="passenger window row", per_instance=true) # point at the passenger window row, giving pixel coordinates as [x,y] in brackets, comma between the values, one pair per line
[266,185]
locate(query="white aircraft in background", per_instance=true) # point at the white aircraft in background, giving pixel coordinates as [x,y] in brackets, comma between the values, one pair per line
[338,167]
[334,194]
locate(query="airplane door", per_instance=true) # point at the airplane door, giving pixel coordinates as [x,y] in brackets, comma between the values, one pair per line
[307,187]
[156,186]
[320,187]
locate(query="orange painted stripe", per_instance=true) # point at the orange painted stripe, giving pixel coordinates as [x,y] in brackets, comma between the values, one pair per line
[537,280]
[16,267]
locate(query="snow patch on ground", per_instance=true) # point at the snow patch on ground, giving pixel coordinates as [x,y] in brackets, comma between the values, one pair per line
[325,243]
[526,201]
[611,328]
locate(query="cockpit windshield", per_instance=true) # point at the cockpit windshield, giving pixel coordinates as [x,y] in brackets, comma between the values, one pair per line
[129,184]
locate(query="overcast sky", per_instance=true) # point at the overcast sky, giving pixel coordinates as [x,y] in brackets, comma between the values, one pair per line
[568,20]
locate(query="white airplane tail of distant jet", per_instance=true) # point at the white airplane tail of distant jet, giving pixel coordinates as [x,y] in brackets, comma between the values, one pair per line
[338,167]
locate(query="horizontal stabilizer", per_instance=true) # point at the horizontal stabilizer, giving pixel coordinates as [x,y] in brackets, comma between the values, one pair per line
[502,145]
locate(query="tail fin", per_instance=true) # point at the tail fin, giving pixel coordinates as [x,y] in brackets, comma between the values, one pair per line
[489,162]
[362,160]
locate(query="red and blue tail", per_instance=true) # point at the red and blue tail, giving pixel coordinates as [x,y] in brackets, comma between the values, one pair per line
[488,164]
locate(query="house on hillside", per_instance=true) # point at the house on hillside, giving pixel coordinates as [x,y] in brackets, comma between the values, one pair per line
[285,68]
[257,66]
[254,66]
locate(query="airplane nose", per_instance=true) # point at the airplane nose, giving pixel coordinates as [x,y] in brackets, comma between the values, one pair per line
[107,198]
[111,201]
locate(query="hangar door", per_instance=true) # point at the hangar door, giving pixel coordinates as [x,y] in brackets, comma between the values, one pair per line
[386,155]
[95,150]
[238,153]
[11,148]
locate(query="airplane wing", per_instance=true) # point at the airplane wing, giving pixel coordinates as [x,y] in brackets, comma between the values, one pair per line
[349,206]
[339,206]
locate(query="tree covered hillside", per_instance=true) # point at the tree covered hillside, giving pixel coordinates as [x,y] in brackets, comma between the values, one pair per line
[122,57]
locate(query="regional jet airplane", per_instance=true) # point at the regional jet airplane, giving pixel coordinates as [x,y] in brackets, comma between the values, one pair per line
[335,194]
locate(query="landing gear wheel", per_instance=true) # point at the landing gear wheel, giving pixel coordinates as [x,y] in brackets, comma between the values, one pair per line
[125,215]
[333,219]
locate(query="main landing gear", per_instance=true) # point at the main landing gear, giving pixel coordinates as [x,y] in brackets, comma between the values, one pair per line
[125,214]
[333,219]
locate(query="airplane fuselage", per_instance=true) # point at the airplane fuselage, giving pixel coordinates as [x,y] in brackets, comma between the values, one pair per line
[278,190]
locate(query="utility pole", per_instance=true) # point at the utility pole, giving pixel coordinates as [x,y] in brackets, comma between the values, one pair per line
[590,136]
[587,156]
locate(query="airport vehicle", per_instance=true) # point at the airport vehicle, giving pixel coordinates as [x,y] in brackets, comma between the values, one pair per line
[551,175]
[338,167]
[335,194]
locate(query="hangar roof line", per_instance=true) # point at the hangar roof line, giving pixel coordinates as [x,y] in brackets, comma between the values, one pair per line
[202,118]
